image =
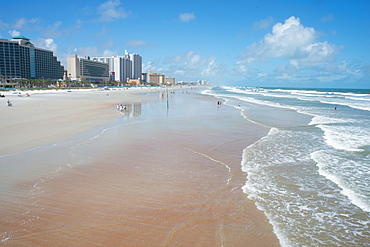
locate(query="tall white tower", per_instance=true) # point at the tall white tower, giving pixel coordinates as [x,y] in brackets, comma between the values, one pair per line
[137,66]
[122,68]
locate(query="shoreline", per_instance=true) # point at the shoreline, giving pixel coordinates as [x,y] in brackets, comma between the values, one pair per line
[184,189]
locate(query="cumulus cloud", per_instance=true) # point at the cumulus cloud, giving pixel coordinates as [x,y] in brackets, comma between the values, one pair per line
[193,61]
[186,17]
[47,44]
[14,33]
[213,68]
[319,53]
[290,40]
[154,66]
[111,10]
[189,66]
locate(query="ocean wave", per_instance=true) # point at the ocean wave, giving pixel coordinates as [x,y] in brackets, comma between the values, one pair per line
[360,106]
[340,172]
[311,181]
[344,137]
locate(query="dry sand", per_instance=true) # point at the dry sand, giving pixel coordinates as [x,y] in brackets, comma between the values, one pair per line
[160,188]
[50,117]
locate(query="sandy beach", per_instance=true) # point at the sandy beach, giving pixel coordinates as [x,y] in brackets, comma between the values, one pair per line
[76,172]
[50,116]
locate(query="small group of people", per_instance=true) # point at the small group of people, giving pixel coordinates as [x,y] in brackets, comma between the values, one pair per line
[121,107]
[219,102]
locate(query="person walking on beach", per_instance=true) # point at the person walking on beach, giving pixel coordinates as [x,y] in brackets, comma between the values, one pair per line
[9,103]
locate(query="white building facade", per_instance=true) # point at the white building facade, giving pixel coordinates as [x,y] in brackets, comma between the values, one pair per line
[124,67]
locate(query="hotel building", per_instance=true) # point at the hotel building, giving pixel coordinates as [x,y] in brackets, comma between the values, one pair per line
[87,69]
[20,59]
[155,78]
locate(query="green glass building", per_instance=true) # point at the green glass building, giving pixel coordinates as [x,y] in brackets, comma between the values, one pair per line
[19,59]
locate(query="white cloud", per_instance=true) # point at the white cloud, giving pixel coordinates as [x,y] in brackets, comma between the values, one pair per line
[193,61]
[319,53]
[212,69]
[186,17]
[286,39]
[153,67]
[189,66]
[14,33]
[292,52]
[47,44]
[291,40]
[111,10]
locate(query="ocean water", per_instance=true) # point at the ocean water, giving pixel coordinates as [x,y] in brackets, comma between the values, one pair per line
[311,174]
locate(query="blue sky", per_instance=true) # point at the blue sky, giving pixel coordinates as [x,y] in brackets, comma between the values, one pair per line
[285,43]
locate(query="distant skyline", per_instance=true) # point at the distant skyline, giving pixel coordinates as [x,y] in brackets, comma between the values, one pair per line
[288,43]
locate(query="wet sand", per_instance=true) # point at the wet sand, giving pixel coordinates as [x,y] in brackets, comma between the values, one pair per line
[169,179]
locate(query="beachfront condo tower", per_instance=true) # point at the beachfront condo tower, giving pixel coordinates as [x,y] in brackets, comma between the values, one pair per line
[125,67]
[120,66]
[136,66]
[20,59]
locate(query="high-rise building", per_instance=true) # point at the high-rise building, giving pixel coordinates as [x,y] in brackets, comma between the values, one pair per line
[20,59]
[120,66]
[87,69]
[137,66]
[124,67]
